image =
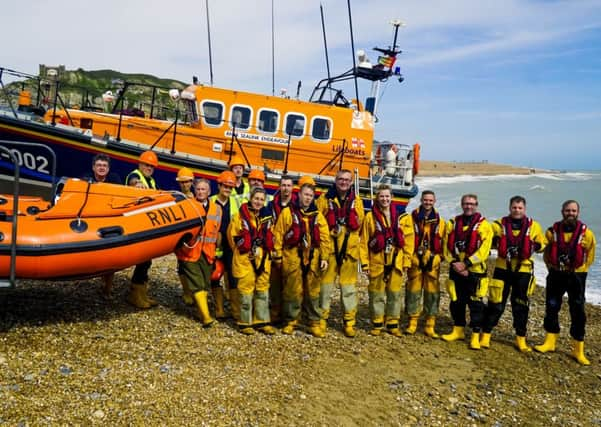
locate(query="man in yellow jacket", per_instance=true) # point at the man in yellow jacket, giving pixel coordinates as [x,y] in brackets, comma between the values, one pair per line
[423,276]
[344,212]
[196,258]
[466,247]
[302,247]
[518,238]
[569,255]
[387,243]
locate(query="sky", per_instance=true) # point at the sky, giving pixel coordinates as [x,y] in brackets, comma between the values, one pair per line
[512,81]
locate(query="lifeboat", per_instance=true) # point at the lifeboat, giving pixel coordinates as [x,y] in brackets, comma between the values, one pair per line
[93,229]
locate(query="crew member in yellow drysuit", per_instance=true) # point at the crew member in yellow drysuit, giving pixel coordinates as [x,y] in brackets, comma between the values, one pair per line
[423,276]
[569,255]
[466,247]
[302,248]
[517,237]
[249,236]
[344,212]
[387,244]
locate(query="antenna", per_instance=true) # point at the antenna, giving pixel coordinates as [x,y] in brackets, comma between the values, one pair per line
[272,52]
[325,42]
[350,20]
[209,39]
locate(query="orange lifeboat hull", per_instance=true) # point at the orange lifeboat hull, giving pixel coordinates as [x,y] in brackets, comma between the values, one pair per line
[95,229]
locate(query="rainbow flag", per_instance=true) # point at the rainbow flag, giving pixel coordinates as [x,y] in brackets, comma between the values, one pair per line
[386,61]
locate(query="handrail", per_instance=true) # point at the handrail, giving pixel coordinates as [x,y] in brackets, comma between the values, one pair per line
[10,283]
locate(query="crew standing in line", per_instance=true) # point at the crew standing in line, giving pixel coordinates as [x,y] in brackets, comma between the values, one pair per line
[423,276]
[185,180]
[301,250]
[387,243]
[281,200]
[249,235]
[344,213]
[101,172]
[226,182]
[196,258]
[518,238]
[569,255]
[466,247]
[142,178]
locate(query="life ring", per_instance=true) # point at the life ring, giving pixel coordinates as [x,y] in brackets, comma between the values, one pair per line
[415,159]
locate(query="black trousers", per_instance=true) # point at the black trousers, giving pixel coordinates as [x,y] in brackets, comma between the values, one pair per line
[466,287]
[140,275]
[517,283]
[558,283]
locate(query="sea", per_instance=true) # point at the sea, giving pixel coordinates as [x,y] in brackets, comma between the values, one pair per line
[544,194]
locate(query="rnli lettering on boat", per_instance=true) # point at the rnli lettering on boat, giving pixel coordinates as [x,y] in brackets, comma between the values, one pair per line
[161,217]
[255,137]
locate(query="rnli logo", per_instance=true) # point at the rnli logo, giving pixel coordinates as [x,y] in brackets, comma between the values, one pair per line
[166,216]
[355,148]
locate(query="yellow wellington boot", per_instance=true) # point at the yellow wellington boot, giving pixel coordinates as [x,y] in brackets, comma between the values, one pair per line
[456,334]
[485,339]
[316,331]
[148,299]
[475,341]
[267,330]
[412,326]
[521,345]
[429,328]
[218,300]
[203,308]
[187,294]
[323,323]
[289,328]
[377,329]
[136,296]
[393,329]
[349,329]
[247,330]
[578,352]
[549,344]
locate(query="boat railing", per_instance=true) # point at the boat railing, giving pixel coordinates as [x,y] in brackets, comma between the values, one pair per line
[392,163]
[10,281]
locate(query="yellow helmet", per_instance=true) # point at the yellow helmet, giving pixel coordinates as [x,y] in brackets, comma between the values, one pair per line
[306,180]
[185,174]
[150,158]
[236,160]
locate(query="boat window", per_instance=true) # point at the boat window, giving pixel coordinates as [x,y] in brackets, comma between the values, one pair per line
[321,129]
[190,114]
[268,154]
[240,117]
[268,121]
[295,124]
[212,113]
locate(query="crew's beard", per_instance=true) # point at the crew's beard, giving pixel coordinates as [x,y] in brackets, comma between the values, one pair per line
[570,221]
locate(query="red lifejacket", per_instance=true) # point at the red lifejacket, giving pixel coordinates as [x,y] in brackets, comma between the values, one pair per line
[251,235]
[385,234]
[433,241]
[567,255]
[467,241]
[297,230]
[276,205]
[344,215]
[521,242]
